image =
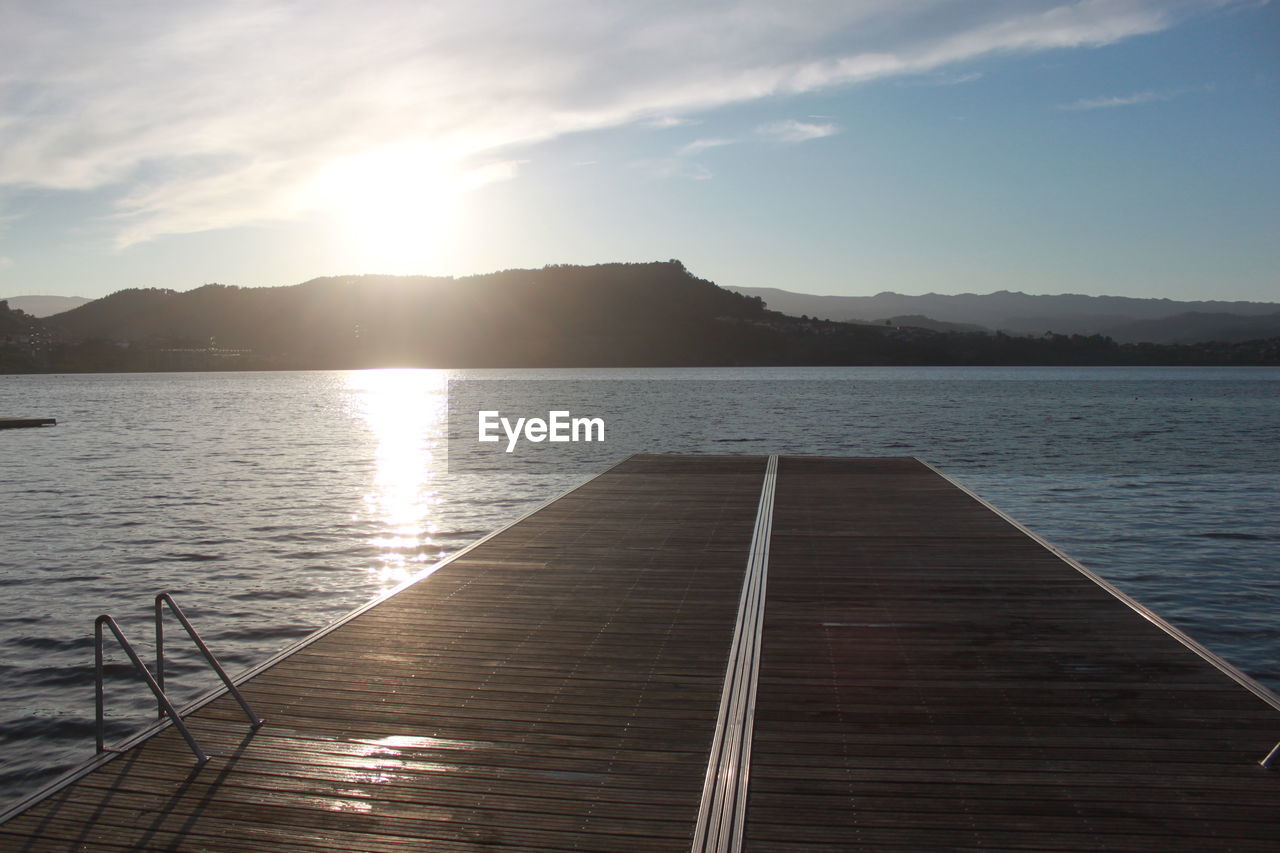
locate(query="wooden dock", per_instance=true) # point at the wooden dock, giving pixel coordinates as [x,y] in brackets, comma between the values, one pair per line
[19,423]
[716,653]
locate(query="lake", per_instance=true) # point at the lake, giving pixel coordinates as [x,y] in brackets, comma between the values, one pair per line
[270,504]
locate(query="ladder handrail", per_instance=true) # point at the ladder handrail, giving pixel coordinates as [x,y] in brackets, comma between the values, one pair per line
[165,598]
[142,670]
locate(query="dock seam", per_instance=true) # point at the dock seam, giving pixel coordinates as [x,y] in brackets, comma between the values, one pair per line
[722,811]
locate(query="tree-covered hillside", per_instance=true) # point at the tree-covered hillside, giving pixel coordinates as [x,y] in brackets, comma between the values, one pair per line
[559,315]
[628,315]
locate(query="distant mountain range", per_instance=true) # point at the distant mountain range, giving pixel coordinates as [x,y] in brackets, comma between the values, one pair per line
[608,315]
[1125,319]
[44,306]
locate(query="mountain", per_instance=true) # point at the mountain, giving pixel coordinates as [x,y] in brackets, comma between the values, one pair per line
[609,315]
[917,321]
[15,322]
[1015,313]
[45,306]
[1193,327]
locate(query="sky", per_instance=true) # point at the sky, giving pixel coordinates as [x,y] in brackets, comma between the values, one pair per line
[1124,147]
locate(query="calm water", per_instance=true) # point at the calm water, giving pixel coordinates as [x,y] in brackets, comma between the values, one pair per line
[271,503]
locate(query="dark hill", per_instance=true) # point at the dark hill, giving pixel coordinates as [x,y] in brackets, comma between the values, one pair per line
[623,315]
[13,321]
[1193,327]
[23,341]
[917,321]
[612,314]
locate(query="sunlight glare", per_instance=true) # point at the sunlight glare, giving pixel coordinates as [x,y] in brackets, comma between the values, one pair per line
[397,207]
[405,410]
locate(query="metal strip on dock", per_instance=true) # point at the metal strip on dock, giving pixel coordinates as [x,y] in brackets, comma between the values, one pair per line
[724,793]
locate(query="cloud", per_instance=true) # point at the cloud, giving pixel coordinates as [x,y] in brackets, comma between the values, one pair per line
[680,164]
[1127,100]
[5,262]
[664,122]
[673,167]
[700,145]
[791,130]
[193,116]
[948,79]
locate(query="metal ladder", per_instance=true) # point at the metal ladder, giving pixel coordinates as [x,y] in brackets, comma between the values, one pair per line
[156,682]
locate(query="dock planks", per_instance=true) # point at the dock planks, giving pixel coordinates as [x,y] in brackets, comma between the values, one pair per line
[930,677]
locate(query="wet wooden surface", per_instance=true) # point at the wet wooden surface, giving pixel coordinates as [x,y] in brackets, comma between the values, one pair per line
[933,679]
[930,679]
[554,689]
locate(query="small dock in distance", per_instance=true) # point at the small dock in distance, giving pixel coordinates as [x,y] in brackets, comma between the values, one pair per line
[717,653]
[20,423]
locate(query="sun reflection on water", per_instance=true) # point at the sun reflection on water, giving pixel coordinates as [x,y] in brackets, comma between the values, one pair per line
[406,411]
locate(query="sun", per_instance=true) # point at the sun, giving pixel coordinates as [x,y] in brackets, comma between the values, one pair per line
[396,209]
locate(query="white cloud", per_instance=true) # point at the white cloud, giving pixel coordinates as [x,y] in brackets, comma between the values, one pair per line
[700,145]
[673,167]
[791,130]
[1126,100]
[224,113]
[5,262]
[680,164]
[948,79]
[664,122]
